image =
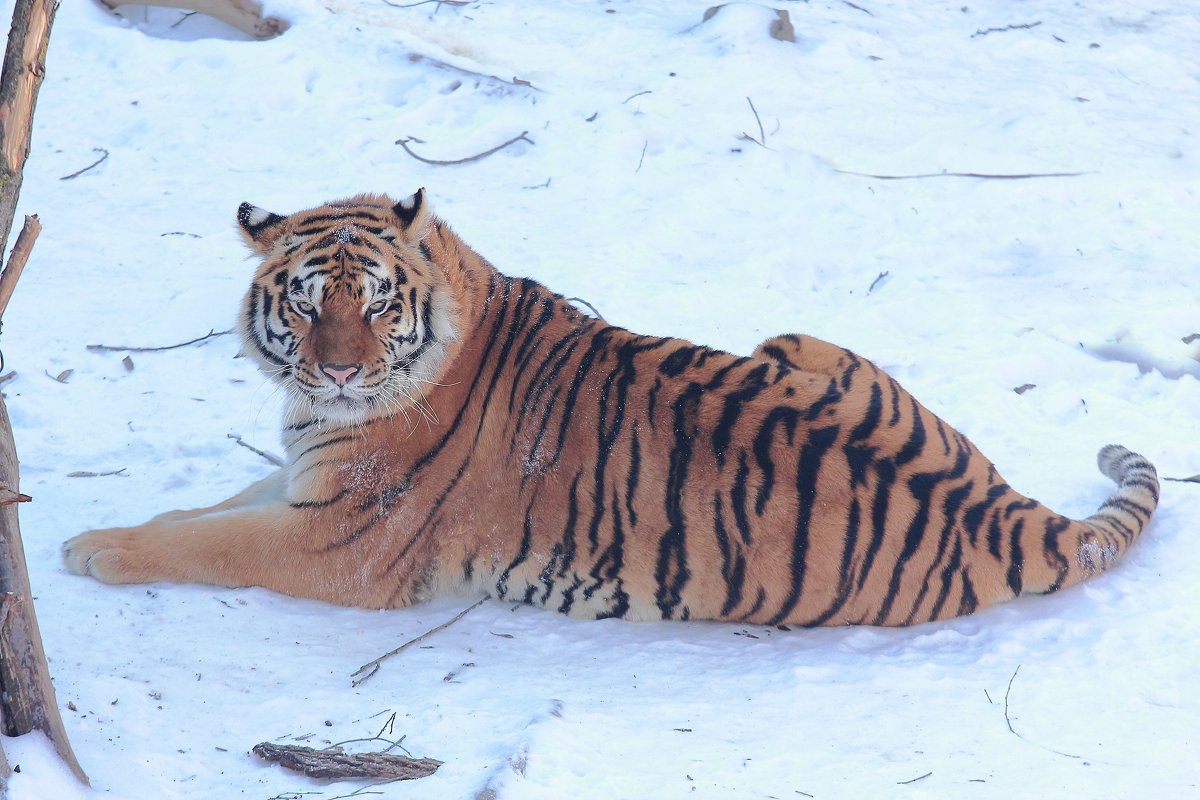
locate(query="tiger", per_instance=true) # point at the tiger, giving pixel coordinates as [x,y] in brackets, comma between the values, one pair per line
[451,430]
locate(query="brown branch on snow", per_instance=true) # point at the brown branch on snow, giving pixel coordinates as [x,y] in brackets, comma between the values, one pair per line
[94,164]
[334,762]
[523,136]
[372,666]
[1020,176]
[108,348]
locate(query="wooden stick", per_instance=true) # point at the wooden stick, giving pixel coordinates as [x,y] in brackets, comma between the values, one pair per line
[18,257]
[112,348]
[373,664]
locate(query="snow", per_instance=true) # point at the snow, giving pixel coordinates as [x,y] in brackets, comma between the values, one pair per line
[646,188]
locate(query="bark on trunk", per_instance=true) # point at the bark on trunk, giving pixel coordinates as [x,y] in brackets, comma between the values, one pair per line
[27,699]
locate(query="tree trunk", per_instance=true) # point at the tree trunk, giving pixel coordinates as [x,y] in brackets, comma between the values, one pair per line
[27,699]
[24,66]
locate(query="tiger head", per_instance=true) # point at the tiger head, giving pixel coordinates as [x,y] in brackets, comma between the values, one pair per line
[346,311]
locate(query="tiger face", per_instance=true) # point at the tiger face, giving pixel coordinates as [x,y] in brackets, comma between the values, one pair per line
[346,311]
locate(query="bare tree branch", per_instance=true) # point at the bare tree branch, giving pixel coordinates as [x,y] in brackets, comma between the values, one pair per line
[108,348]
[94,164]
[1020,176]
[372,666]
[523,136]
[17,259]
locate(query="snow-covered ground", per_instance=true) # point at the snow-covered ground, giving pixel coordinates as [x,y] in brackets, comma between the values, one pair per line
[697,178]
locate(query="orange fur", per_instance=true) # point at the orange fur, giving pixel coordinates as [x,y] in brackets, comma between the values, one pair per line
[455,430]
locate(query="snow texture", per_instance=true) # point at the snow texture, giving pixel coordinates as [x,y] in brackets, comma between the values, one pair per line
[700,179]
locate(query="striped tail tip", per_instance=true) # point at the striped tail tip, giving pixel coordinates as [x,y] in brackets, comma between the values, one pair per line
[1124,515]
[1129,470]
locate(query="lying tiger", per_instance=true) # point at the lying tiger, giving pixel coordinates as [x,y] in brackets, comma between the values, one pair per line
[454,430]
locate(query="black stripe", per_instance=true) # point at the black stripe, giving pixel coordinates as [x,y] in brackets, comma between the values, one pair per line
[1016,559]
[752,384]
[737,498]
[953,567]
[632,476]
[762,450]
[733,565]
[808,470]
[522,553]
[973,517]
[671,571]
[950,506]
[1054,557]
[845,585]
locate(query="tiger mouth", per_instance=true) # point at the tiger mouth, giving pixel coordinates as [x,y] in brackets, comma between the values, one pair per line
[341,405]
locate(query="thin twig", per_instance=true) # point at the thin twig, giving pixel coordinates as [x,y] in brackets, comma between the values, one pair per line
[85,474]
[183,19]
[1022,27]
[426,2]
[439,163]
[761,141]
[642,157]
[1007,692]
[373,664]
[17,258]
[914,780]
[101,159]
[858,8]
[639,94]
[212,334]
[762,136]
[985,175]
[516,82]
[1013,731]
[580,301]
[274,459]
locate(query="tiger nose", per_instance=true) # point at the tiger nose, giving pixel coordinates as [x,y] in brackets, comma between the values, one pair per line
[341,372]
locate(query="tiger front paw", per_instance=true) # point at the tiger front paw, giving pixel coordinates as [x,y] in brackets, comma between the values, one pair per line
[111,556]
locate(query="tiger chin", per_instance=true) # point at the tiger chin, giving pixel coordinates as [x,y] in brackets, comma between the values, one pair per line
[454,430]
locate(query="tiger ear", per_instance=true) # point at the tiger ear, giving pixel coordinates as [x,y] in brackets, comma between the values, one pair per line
[413,213]
[259,227]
